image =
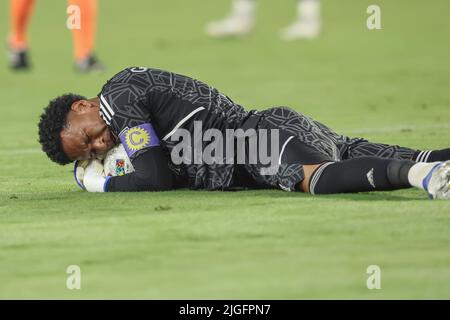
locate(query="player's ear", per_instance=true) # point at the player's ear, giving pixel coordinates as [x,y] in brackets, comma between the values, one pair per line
[81,106]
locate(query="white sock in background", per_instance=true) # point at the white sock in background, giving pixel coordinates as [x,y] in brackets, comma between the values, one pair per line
[243,9]
[308,11]
[307,24]
[239,22]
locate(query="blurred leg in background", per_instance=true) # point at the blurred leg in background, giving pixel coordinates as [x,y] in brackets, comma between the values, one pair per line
[241,21]
[84,38]
[308,22]
[20,14]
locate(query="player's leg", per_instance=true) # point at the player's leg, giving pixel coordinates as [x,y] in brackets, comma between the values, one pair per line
[350,148]
[239,22]
[364,148]
[308,22]
[305,168]
[20,13]
[84,38]
[432,155]
[307,162]
[376,174]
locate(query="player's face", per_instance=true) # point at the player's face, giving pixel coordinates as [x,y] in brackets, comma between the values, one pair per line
[86,136]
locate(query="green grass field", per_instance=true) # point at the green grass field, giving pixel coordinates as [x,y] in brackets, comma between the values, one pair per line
[389,85]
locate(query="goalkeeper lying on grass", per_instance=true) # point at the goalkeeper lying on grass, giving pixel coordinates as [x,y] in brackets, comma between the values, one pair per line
[168,123]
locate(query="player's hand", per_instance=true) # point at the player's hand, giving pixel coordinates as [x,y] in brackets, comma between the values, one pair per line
[94,177]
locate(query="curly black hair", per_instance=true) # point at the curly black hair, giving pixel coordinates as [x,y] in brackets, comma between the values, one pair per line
[52,121]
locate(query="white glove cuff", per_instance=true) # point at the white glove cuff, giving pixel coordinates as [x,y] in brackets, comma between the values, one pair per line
[94,178]
[94,183]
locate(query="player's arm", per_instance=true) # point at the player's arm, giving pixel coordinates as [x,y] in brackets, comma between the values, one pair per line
[151,173]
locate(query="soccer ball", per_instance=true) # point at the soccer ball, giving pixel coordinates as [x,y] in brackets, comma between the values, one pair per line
[116,162]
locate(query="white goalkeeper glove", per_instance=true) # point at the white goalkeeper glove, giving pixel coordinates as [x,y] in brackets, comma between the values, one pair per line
[78,172]
[90,176]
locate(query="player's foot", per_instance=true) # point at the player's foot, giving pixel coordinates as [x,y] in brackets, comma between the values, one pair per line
[239,23]
[230,27]
[301,30]
[89,64]
[437,181]
[307,24]
[18,59]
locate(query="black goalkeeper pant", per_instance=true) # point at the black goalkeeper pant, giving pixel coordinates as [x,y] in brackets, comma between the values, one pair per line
[304,141]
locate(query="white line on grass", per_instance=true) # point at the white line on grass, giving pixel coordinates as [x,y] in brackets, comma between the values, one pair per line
[20,151]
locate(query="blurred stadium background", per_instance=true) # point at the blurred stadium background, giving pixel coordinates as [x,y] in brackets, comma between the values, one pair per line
[389,85]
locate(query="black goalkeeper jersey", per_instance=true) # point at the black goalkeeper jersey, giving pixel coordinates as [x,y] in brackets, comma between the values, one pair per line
[145,107]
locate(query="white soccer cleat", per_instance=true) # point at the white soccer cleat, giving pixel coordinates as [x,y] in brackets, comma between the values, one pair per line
[437,181]
[301,30]
[230,27]
[308,23]
[240,22]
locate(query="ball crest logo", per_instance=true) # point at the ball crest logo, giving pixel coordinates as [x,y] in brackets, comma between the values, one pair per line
[120,167]
[137,138]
